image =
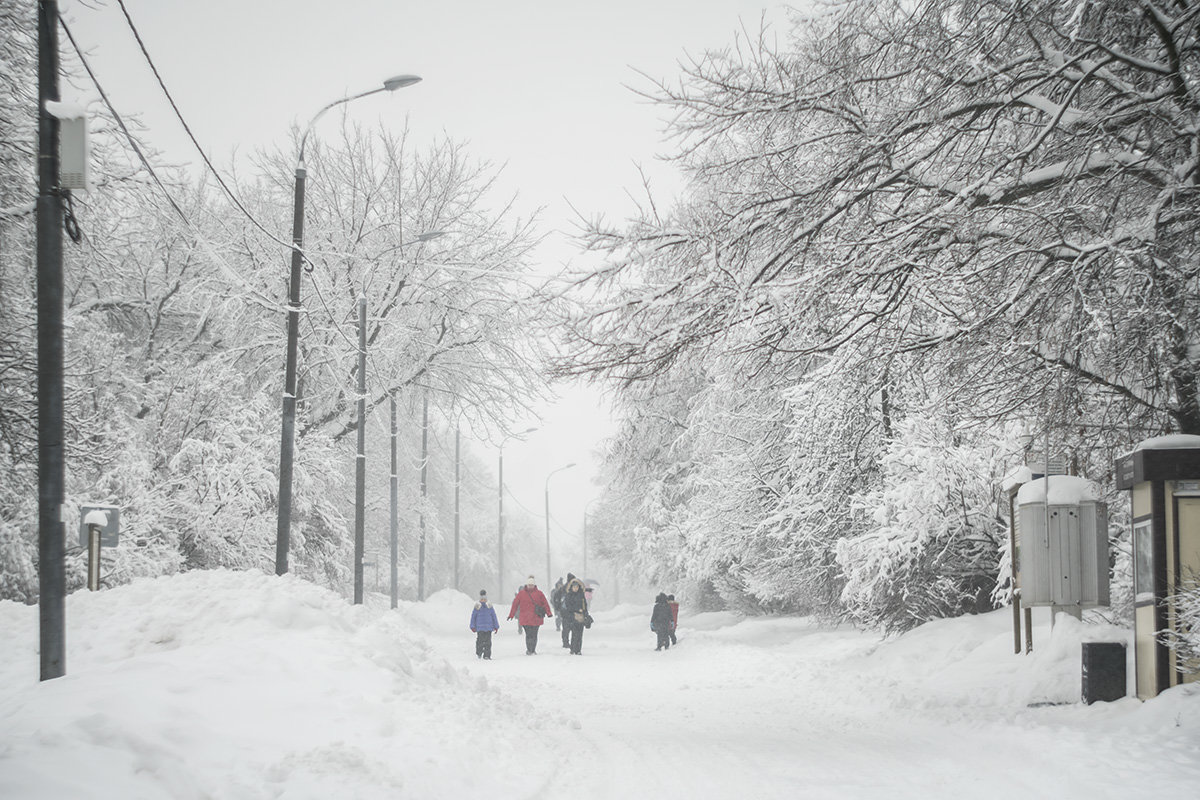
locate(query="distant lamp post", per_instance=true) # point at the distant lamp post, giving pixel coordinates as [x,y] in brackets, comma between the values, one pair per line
[287,436]
[500,514]
[394,488]
[548,477]
[585,538]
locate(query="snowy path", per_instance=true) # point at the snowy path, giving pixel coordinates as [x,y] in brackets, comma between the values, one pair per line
[223,685]
[791,712]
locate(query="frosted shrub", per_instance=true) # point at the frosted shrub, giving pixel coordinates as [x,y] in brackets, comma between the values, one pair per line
[931,539]
[1185,639]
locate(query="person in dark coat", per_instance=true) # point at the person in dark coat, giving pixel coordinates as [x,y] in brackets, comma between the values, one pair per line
[574,613]
[674,606]
[483,624]
[529,607]
[558,609]
[660,621]
[556,596]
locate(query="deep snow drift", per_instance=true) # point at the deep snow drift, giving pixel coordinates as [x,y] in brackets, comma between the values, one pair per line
[241,685]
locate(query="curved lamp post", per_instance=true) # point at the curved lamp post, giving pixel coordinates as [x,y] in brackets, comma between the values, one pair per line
[500,512]
[287,436]
[548,477]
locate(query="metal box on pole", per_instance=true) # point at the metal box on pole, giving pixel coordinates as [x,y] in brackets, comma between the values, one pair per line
[1063,543]
[73,156]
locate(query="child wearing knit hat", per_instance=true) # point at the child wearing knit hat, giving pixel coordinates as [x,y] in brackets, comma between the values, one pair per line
[483,624]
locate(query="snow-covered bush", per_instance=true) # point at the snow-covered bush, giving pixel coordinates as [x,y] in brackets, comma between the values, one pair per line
[1185,638]
[932,536]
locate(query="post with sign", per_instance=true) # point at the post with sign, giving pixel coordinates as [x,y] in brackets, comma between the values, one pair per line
[98,525]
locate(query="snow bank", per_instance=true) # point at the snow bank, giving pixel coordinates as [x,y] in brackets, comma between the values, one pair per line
[238,684]
[241,685]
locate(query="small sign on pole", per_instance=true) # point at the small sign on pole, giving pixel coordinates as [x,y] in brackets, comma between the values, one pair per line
[106,518]
[98,525]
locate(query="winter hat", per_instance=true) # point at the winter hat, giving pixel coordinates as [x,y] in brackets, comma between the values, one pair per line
[570,577]
[483,592]
[530,581]
[662,598]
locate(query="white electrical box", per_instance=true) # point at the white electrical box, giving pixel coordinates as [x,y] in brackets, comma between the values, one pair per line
[1063,543]
[73,156]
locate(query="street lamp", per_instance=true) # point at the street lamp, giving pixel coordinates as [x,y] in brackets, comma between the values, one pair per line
[585,543]
[548,477]
[287,436]
[500,512]
[394,523]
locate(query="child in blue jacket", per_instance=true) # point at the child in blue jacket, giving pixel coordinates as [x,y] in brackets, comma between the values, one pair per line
[483,623]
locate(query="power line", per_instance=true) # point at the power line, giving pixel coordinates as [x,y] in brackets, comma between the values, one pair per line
[188,130]
[133,144]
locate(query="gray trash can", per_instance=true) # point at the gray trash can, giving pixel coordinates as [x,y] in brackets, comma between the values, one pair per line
[1103,671]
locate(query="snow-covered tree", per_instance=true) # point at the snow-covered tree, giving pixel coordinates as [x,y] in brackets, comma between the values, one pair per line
[975,203]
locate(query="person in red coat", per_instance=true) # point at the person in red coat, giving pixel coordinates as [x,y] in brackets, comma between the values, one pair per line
[530,607]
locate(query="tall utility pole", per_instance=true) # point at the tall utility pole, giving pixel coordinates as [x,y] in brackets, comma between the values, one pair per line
[360,465]
[500,512]
[549,578]
[424,493]
[457,489]
[287,437]
[51,470]
[395,521]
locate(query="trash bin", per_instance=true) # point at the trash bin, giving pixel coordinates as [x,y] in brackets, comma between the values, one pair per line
[1103,671]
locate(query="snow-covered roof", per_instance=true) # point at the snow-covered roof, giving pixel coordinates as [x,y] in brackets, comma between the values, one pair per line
[1173,441]
[1018,476]
[1064,490]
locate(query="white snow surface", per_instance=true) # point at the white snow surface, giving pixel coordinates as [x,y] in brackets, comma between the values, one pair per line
[1172,441]
[225,684]
[1063,490]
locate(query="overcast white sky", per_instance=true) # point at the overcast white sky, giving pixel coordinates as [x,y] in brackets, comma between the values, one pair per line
[538,86]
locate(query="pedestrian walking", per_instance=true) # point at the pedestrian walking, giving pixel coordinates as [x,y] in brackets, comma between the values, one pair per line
[483,624]
[566,632]
[674,606]
[530,607]
[556,598]
[575,615]
[660,621]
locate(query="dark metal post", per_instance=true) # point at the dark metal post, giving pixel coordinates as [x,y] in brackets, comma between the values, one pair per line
[457,488]
[93,558]
[395,502]
[360,466]
[288,436]
[51,469]
[500,527]
[424,492]
[549,578]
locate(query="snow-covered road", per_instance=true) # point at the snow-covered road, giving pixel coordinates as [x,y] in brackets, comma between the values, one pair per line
[242,686]
[772,708]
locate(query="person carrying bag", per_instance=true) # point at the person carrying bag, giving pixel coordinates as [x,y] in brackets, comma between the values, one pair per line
[575,615]
[530,607]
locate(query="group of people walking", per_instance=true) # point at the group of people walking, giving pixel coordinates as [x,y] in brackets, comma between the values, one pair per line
[569,606]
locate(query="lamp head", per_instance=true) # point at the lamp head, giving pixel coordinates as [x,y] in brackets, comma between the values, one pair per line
[400,81]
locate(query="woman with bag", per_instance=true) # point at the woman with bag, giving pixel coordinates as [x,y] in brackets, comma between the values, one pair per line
[530,607]
[575,614]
